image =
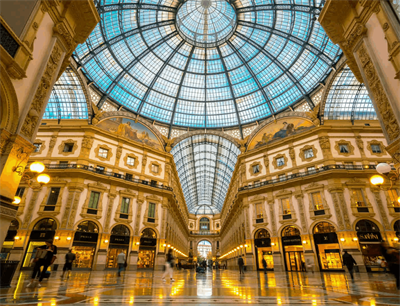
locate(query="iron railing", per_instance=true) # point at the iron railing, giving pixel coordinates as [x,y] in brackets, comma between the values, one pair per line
[106,173]
[204,233]
[308,173]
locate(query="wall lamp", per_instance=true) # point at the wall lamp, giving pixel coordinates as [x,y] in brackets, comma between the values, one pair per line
[16,237]
[355,239]
[304,242]
[241,245]
[106,241]
[138,243]
[342,239]
[395,239]
[386,171]
[245,245]
[164,245]
[272,243]
[69,238]
[57,238]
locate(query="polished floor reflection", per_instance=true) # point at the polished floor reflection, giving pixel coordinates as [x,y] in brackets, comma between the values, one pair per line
[215,287]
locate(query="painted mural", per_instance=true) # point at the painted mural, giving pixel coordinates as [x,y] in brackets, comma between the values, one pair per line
[128,128]
[282,128]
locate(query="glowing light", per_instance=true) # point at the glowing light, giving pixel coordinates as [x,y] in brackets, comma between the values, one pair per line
[43,179]
[245,245]
[398,199]
[164,245]
[376,180]
[272,244]
[131,300]
[168,245]
[304,242]
[383,168]
[37,167]
[138,243]
[279,301]
[57,237]
[106,241]
[395,239]
[16,237]
[355,239]
[342,239]
[241,245]
[372,302]
[96,301]
[69,238]
[17,200]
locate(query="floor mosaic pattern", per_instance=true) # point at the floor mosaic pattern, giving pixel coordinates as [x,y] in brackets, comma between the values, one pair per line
[224,287]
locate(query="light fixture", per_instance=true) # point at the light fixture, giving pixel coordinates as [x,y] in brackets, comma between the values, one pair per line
[69,238]
[386,170]
[342,239]
[164,245]
[241,245]
[245,245]
[17,200]
[16,238]
[355,238]
[395,239]
[304,241]
[168,245]
[43,179]
[57,237]
[106,241]
[272,243]
[37,167]
[138,243]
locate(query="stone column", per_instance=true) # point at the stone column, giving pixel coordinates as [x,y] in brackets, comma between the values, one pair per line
[382,212]
[110,204]
[36,188]
[342,215]
[299,197]
[74,192]
[144,162]
[139,201]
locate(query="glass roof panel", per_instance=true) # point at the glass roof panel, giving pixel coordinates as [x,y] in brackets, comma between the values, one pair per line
[205,164]
[185,62]
[348,99]
[67,99]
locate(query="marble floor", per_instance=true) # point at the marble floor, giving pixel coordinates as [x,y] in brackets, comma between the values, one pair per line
[213,288]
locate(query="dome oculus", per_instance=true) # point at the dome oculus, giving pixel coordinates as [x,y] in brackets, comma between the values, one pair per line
[206,23]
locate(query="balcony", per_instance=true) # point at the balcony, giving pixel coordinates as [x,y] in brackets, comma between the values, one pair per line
[102,172]
[309,173]
[205,233]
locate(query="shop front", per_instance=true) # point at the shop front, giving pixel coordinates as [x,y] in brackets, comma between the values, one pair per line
[43,230]
[292,249]
[9,240]
[84,244]
[119,242]
[147,249]
[370,238]
[262,243]
[327,247]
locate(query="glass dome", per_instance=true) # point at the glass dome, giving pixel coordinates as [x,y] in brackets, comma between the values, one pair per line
[207,63]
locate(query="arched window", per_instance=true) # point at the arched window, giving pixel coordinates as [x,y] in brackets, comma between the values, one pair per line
[88,227]
[262,233]
[324,228]
[204,224]
[121,230]
[45,225]
[396,227]
[148,233]
[366,226]
[290,231]
[204,249]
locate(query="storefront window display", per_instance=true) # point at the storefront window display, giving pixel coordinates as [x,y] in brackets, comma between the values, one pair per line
[262,242]
[327,246]
[396,228]
[119,242]
[147,249]
[43,230]
[370,238]
[293,249]
[84,245]
[9,240]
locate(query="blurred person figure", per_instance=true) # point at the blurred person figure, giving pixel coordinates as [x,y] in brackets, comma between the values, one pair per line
[69,258]
[169,263]
[45,257]
[392,257]
[121,260]
[349,262]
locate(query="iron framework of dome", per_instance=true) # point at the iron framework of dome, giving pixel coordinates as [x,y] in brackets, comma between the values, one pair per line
[273,54]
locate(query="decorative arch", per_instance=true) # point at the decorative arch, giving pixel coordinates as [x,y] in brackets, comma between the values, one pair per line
[152,229]
[312,226]
[37,220]
[377,223]
[280,231]
[393,223]
[258,230]
[91,220]
[9,112]
[205,132]
[128,226]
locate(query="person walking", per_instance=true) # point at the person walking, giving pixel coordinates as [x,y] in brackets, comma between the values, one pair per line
[45,256]
[349,262]
[241,265]
[121,260]
[264,263]
[169,263]
[69,258]
[392,257]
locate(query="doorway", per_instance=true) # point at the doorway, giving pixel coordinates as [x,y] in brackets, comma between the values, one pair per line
[294,259]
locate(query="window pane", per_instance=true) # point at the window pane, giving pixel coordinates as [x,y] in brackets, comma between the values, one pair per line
[285,206]
[37,147]
[317,200]
[344,148]
[125,205]
[152,210]
[94,199]
[376,148]
[131,161]
[53,196]
[308,153]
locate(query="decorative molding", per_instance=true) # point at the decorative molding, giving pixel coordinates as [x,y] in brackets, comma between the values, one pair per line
[158,166]
[206,132]
[376,142]
[382,212]
[42,147]
[109,153]
[302,153]
[135,157]
[274,162]
[349,146]
[62,145]
[98,187]
[251,168]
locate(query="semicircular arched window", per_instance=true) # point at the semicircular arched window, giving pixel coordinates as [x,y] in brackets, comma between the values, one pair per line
[47,224]
[87,227]
[120,230]
[204,224]
[366,226]
[262,233]
[148,233]
[290,231]
[324,228]
[14,225]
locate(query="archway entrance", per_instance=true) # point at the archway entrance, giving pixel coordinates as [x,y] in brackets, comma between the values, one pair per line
[262,243]
[327,246]
[147,249]
[369,238]
[84,244]
[204,251]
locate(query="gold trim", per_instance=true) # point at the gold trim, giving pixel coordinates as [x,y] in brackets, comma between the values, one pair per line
[156,164]
[251,168]
[62,145]
[136,163]
[125,194]
[305,148]
[274,162]
[103,146]
[376,142]
[344,142]
[98,187]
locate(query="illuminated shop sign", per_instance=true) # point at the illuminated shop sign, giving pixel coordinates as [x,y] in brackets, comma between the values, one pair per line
[369,236]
